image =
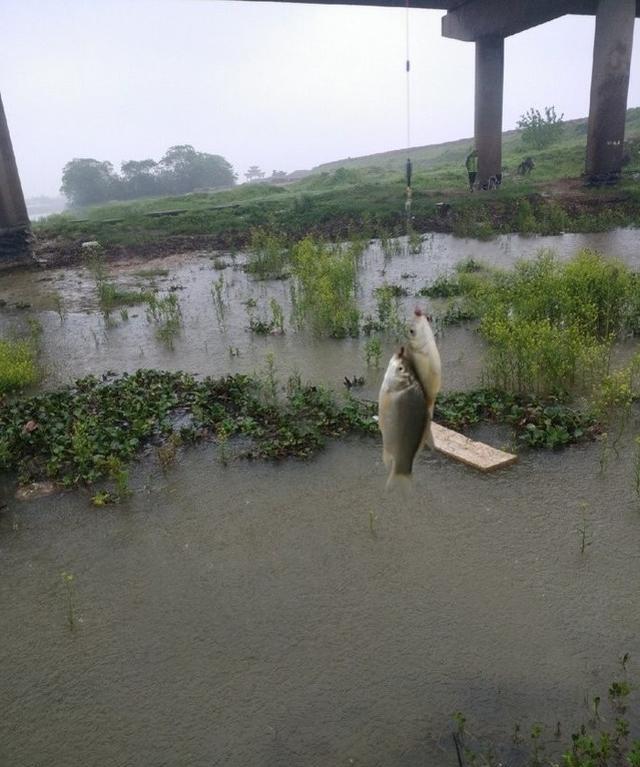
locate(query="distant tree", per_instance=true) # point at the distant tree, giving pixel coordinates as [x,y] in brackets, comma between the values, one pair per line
[140,178]
[254,172]
[86,181]
[540,131]
[278,175]
[183,170]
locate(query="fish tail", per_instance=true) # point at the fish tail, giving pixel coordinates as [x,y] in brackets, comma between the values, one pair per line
[399,482]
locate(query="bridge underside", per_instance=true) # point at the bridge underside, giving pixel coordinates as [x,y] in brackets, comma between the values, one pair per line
[485,23]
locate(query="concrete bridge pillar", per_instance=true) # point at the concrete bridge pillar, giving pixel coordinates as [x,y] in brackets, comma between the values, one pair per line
[488,106]
[15,229]
[609,87]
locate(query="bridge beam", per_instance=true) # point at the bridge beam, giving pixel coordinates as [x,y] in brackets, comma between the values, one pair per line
[488,106]
[15,229]
[474,19]
[609,87]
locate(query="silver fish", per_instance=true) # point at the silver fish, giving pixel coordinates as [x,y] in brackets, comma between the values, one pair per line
[402,418]
[423,355]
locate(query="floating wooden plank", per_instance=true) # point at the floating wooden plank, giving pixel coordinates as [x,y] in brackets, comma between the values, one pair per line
[476,454]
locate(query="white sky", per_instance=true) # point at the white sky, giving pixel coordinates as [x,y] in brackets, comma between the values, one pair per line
[278,85]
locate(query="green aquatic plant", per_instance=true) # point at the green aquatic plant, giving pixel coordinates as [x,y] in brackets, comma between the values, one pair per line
[68,581]
[414,243]
[219,264]
[601,741]
[108,293]
[150,274]
[277,315]
[613,398]
[59,306]
[268,256]
[444,286]
[217,294]
[373,352]
[324,293]
[18,364]
[168,451]
[584,535]
[388,309]
[552,324]
[166,314]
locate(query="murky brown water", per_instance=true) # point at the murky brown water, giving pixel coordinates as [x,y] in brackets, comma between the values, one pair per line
[82,343]
[250,615]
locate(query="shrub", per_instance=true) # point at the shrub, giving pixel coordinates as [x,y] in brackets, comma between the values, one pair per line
[540,131]
[550,326]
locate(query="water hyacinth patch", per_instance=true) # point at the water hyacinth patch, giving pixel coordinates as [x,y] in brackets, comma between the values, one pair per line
[78,434]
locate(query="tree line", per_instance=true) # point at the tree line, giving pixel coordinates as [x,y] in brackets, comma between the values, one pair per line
[182,169]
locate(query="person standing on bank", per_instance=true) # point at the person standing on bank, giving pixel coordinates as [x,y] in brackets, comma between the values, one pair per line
[472,167]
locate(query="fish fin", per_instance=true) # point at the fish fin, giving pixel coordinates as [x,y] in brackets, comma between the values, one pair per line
[428,437]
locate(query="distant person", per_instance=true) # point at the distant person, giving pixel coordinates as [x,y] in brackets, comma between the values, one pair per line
[526,166]
[471,165]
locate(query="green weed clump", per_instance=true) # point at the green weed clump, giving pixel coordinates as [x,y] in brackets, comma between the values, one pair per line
[167,316]
[275,325]
[90,431]
[601,740]
[18,364]
[268,256]
[536,422]
[550,326]
[324,295]
[109,295]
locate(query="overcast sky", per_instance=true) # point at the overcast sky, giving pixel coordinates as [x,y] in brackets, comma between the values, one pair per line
[279,85]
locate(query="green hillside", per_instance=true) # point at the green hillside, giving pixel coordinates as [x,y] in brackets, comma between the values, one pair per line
[365,196]
[564,159]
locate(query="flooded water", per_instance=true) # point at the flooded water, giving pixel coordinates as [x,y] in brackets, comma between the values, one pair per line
[83,343]
[294,614]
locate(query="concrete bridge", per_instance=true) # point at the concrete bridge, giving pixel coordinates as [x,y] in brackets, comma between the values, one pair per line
[485,23]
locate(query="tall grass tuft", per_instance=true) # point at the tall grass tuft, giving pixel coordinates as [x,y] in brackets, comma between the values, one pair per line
[268,256]
[325,288]
[18,366]
[166,314]
[550,326]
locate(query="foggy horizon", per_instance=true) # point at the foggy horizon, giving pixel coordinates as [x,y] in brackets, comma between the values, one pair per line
[281,86]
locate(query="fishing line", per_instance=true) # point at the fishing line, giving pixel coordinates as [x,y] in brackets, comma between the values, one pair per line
[409,167]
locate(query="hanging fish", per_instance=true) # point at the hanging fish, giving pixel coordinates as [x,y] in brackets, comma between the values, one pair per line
[423,355]
[402,417]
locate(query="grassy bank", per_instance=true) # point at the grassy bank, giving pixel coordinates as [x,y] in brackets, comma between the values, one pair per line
[365,196]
